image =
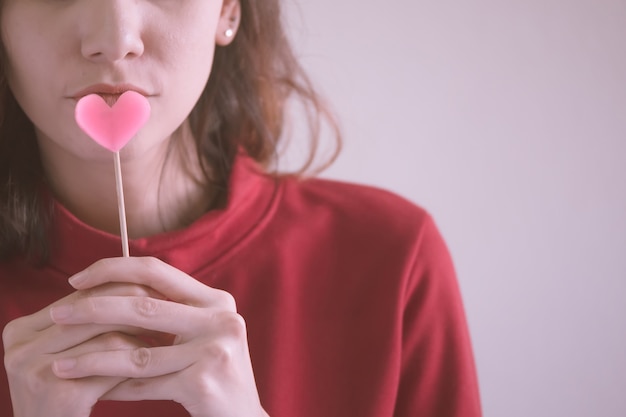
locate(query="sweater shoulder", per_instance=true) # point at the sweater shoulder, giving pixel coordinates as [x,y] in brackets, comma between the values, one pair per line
[354,204]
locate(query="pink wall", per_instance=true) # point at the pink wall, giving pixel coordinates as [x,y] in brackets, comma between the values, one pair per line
[507,120]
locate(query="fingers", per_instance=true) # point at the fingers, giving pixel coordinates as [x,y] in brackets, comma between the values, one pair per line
[108,342]
[226,343]
[57,339]
[60,338]
[38,391]
[199,394]
[153,273]
[140,389]
[207,369]
[144,312]
[141,362]
[35,345]
[119,289]
[18,329]
[207,377]
[21,361]
[34,322]
[39,334]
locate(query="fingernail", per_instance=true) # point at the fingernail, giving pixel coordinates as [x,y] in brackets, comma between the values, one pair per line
[61,312]
[64,365]
[78,278]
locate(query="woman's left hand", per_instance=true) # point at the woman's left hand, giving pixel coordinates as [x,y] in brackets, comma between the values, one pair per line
[207,369]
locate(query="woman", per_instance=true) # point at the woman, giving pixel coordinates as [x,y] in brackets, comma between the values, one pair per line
[247,294]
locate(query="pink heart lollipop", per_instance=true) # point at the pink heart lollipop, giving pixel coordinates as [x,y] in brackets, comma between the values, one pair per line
[112,127]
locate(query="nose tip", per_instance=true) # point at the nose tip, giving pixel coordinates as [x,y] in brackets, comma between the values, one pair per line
[113,48]
[112,32]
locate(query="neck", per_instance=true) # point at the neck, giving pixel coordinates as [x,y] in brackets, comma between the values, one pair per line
[163,187]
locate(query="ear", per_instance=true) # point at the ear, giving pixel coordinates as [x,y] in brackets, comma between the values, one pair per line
[228,23]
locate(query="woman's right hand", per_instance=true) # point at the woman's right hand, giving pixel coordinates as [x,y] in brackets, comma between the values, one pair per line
[32,343]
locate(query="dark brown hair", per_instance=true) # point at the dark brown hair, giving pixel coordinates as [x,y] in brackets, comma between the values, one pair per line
[243,106]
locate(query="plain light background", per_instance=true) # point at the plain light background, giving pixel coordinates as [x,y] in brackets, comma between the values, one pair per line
[507,121]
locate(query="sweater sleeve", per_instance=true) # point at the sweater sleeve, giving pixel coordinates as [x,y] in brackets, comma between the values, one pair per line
[438,376]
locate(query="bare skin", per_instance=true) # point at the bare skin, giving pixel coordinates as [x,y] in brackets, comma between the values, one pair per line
[135,328]
[90,345]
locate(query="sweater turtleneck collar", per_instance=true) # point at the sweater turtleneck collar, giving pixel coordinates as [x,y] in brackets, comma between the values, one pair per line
[205,243]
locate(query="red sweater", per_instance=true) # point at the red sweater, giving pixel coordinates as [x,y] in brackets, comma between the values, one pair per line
[348,292]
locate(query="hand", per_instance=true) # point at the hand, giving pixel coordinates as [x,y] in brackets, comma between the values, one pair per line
[207,369]
[34,343]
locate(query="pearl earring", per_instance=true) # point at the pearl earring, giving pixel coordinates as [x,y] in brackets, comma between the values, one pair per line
[229,33]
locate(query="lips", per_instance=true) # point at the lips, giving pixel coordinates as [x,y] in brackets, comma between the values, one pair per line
[109,93]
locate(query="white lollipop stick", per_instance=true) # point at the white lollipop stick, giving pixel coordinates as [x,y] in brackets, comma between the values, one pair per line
[120,204]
